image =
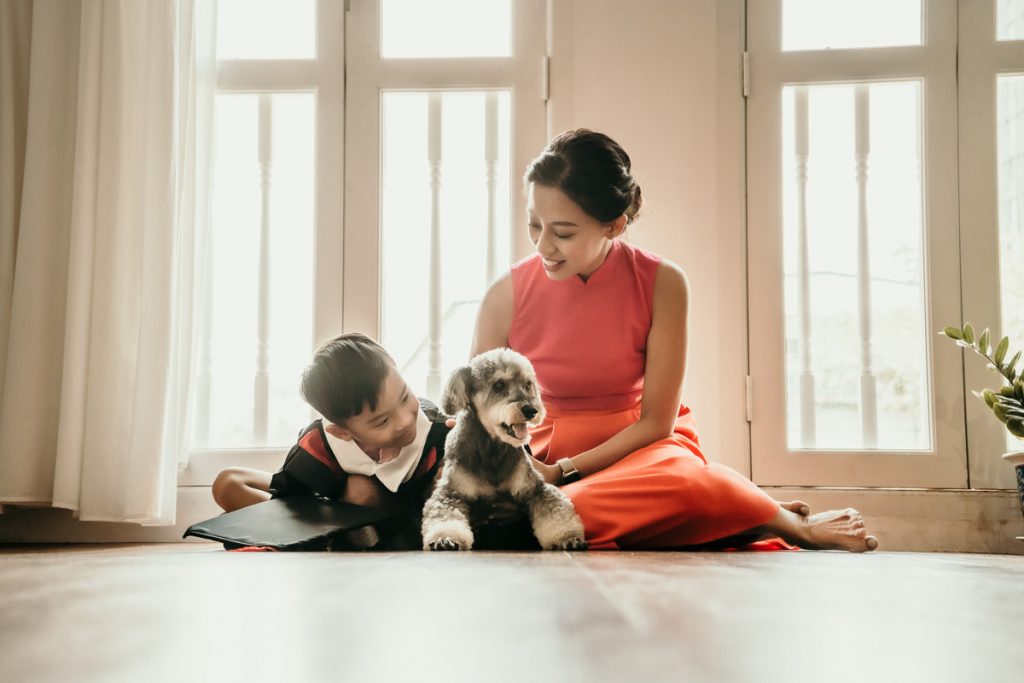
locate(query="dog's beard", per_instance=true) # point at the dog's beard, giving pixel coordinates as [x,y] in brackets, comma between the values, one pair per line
[506,423]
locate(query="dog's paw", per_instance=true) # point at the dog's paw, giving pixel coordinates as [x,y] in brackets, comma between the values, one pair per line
[574,543]
[445,544]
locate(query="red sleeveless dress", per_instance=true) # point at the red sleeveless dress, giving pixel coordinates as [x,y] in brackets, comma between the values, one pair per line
[587,342]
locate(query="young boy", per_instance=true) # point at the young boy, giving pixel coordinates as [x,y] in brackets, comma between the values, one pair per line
[376,444]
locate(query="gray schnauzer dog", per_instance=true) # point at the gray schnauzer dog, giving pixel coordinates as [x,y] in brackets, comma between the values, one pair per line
[495,398]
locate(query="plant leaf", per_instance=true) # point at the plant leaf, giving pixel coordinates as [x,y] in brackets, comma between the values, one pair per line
[1004,346]
[1013,361]
[1016,428]
[968,333]
[1000,412]
[983,341]
[953,333]
[989,397]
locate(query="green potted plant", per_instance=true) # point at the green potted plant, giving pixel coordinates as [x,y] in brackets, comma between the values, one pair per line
[1008,403]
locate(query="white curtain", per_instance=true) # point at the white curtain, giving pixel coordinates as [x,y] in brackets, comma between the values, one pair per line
[105,109]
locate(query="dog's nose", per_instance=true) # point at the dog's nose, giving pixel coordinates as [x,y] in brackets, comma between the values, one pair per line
[528,411]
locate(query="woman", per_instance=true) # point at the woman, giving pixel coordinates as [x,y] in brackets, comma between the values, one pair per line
[605,325]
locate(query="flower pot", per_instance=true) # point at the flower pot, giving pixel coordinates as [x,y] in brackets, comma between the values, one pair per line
[1017,460]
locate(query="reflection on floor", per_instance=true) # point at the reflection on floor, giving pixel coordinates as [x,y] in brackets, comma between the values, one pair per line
[183,612]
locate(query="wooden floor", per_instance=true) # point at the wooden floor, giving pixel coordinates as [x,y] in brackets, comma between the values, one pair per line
[188,612]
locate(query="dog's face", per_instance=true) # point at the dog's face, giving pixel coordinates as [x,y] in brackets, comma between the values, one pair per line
[502,388]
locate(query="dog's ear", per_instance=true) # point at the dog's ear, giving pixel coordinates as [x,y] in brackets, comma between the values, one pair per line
[456,394]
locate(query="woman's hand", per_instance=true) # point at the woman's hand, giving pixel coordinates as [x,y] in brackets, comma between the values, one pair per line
[551,474]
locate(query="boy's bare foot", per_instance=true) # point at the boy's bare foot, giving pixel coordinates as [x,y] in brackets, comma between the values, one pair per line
[836,530]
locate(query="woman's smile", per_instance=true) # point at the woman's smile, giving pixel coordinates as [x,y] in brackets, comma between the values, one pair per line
[550,265]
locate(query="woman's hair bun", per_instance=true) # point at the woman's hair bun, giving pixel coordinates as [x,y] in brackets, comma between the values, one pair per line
[592,170]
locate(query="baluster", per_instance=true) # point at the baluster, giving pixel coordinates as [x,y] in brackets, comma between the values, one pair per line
[434,289]
[807,412]
[491,162]
[868,405]
[261,388]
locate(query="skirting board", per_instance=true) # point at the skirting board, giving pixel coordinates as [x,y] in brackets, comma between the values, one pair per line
[955,520]
[902,519]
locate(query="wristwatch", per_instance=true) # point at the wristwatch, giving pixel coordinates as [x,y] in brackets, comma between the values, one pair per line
[569,471]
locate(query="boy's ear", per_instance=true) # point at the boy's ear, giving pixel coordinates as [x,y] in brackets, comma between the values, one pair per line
[338,431]
[456,393]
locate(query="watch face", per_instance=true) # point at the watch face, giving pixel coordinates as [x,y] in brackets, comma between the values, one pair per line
[571,477]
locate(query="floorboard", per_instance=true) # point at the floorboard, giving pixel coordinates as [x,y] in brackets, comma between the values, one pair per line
[185,612]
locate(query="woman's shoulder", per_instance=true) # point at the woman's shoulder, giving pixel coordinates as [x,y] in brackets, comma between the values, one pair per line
[671,283]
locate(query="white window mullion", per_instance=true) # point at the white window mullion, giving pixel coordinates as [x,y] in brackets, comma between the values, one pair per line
[330,172]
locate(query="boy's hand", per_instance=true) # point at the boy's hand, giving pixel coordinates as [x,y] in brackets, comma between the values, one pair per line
[450,422]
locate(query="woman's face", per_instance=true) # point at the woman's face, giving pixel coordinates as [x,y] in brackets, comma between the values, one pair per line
[569,241]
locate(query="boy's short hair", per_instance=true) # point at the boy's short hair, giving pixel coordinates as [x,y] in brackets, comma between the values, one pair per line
[347,373]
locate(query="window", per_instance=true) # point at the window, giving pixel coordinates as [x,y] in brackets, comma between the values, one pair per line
[991,118]
[275,221]
[365,169]
[852,224]
[441,122]
[885,198]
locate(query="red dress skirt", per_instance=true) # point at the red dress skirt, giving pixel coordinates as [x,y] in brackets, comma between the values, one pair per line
[665,495]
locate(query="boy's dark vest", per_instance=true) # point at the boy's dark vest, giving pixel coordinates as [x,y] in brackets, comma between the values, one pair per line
[311,466]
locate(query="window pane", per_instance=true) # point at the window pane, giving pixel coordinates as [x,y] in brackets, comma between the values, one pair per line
[1010,142]
[1010,20]
[842,24]
[464,191]
[856,351]
[230,343]
[266,29]
[445,28]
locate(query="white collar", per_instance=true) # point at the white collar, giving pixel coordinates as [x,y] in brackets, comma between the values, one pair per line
[392,473]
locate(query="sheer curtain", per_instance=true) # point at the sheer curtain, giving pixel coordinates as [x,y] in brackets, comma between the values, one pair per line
[105,108]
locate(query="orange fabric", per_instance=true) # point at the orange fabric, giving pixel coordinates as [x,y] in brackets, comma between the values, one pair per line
[665,495]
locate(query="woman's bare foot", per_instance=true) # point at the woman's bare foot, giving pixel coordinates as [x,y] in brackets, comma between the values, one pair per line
[832,530]
[838,530]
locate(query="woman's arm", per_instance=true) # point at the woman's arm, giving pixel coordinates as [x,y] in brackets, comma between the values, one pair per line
[663,377]
[495,317]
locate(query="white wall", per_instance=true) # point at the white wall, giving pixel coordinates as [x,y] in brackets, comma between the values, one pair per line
[663,78]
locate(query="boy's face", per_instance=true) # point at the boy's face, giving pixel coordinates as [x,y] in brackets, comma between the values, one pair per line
[391,425]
